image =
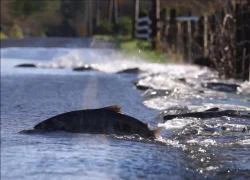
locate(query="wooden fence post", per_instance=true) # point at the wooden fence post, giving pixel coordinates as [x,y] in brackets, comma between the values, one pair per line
[200,36]
[136,15]
[189,30]
[193,34]
[238,39]
[205,36]
[185,39]
[246,29]
[97,23]
[155,23]
[212,36]
[242,37]
[163,22]
[178,47]
[90,20]
[172,32]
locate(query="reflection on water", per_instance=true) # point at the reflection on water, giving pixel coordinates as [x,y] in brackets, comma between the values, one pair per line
[190,147]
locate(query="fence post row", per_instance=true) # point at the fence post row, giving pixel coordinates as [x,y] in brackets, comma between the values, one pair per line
[220,40]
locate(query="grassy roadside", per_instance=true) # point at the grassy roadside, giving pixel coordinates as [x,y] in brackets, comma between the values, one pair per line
[139,48]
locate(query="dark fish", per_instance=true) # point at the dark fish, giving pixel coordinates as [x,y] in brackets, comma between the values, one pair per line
[211,113]
[153,93]
[224,87]
[84,68]
[130,71]
[107,120]
[26,65]
[142,87]
[214,109]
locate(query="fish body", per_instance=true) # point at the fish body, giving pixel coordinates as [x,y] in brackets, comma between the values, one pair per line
[106,120]
[130,71]
[84,68]
[26,65]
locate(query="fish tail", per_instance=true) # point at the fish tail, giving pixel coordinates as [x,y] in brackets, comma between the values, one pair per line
[157,131]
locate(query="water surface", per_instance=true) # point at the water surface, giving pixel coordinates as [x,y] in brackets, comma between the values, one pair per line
[29,96]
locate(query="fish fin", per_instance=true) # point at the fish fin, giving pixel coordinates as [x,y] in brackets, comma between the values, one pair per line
[114,108]
[157,131]
[213,109]
[29,131]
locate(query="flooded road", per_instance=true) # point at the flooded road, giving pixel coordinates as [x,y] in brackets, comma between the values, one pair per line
[30,95]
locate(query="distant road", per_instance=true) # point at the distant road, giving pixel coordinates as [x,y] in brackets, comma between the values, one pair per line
[57,42]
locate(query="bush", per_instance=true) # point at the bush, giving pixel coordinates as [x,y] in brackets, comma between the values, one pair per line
[3,36]
[16,32]
[40,33]
[124,26]
[105,27]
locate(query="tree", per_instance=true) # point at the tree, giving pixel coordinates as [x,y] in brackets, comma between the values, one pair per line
[26,7]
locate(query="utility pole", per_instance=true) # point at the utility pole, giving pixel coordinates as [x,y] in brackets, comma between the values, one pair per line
[155,16]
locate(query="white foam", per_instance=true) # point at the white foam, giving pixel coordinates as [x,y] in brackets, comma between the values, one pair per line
[205,142]
[244,142]
[177,123]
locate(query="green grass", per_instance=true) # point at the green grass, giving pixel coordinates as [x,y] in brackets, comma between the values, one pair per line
[141,49]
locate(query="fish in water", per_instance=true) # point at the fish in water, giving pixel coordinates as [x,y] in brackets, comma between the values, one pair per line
[85,68]
[130,71]
[211,113]
[26,65]
[107,120]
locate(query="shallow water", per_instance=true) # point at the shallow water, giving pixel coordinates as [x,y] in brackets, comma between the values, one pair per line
[29,96]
